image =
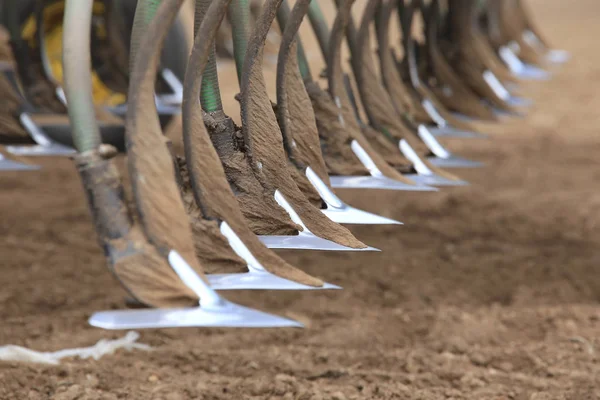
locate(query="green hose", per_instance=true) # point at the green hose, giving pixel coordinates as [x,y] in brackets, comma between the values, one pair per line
[77,66]
[283,14]
[210,95]
[239,16]
[319,25]
[144,13]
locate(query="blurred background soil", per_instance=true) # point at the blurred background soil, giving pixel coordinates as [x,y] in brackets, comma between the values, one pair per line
[487,292]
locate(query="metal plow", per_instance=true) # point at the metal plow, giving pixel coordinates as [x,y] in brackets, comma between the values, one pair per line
[213,310]
[7,164]
[206,220]
[377,180]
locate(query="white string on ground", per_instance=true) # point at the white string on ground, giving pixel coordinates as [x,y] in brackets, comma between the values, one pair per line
[100,349]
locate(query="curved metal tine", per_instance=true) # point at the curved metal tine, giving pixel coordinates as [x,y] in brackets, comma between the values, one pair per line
[423,174]
[9,165]
[340,212]
[443,127]
[441,155]
[257,277]
[335,209]
[443,158]
[521,69]
[214,310]
[305,240]
[377,180]
[507,52]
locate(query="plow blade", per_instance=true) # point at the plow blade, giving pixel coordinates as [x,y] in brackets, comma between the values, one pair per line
[214,311]
[454,162]
[443,158]
[350,215]
[340,212]
[521,69]
[554,56]
[502,92]
[376,181]
[424,175]
[370,182]
[9,165]
[44,146]
[257,277]
[258,280]
[225,315]
[306,241]
[450,132]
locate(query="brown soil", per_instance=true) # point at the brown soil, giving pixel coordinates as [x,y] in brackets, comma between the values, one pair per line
[487,292]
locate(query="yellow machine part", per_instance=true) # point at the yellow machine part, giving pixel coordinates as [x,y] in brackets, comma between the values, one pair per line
[53,19]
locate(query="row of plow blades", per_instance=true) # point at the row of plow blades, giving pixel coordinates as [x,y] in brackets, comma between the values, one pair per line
[100,80]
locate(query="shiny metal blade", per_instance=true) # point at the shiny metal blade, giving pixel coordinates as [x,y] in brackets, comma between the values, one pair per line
[257,277]
[259,280]
[337,210]
[350,215]
[436,180]
[369,182]
[9,165]
[225,315]
[424,175]
[306,241]
[450,132]
[454,162]
[214,311]
[443,157]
